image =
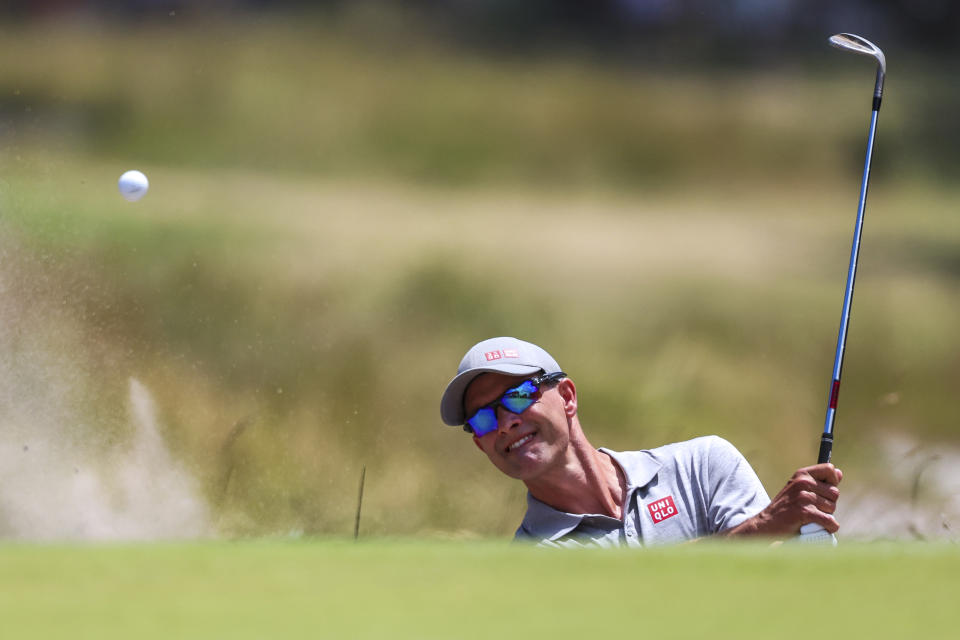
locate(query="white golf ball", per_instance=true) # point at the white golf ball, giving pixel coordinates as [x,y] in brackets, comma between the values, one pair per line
[133,185]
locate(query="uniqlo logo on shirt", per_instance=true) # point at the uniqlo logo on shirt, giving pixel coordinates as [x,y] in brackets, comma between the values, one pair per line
[662,509]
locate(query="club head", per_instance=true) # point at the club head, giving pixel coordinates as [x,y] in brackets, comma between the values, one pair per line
[856,44]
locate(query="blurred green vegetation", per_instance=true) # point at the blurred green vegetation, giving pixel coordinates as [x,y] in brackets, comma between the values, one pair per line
[332,222]
[313,98]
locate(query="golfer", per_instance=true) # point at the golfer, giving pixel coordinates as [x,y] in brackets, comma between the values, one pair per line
[522,411]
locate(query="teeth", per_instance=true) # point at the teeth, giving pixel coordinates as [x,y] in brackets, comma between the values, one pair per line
[521,441]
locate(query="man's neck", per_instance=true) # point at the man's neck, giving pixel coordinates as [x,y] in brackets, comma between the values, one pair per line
[589,481]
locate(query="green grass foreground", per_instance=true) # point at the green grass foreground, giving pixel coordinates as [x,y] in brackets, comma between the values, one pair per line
[403,589]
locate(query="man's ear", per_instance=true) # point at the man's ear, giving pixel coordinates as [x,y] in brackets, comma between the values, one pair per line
[568,392]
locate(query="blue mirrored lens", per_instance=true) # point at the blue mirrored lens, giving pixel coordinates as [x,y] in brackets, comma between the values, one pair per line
[483,421]
[519,399]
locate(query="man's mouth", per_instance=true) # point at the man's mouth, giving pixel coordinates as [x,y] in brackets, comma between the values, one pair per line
[519,443]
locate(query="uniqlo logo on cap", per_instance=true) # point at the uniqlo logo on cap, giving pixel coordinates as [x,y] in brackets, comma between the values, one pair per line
[662,509]
[497,355]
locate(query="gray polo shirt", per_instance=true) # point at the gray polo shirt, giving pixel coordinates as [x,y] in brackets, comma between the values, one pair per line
[675,493]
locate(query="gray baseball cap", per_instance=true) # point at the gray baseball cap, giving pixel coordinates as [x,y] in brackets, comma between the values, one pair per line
[509,356]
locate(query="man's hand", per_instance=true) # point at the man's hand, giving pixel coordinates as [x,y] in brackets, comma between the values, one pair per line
[810,496]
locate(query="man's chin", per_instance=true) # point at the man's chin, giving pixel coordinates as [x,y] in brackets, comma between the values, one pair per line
[523,468]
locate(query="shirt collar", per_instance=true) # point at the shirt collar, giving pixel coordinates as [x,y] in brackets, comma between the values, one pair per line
[544,522]
[639,467]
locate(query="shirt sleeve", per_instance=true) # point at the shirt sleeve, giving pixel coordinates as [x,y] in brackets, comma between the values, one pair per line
[735,491]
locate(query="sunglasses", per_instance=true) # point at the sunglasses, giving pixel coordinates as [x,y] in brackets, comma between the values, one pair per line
[515,400]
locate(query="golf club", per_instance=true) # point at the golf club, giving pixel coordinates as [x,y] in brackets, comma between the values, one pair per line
[812,532]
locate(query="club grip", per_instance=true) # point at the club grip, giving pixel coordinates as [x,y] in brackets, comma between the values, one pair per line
[813,533]
[826,448]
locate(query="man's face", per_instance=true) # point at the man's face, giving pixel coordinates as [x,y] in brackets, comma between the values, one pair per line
[524,445]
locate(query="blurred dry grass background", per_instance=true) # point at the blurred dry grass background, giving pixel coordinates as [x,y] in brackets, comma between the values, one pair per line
[334,219]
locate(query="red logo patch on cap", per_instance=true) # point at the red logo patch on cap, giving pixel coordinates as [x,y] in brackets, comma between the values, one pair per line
[497,355]
[662,509]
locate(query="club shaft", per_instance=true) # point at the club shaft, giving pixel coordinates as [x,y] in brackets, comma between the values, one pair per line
[826,441]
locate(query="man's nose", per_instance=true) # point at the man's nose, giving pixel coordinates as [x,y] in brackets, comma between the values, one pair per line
[506,419]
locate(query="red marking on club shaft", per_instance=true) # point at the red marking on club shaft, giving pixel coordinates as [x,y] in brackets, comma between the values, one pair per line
[834,392]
